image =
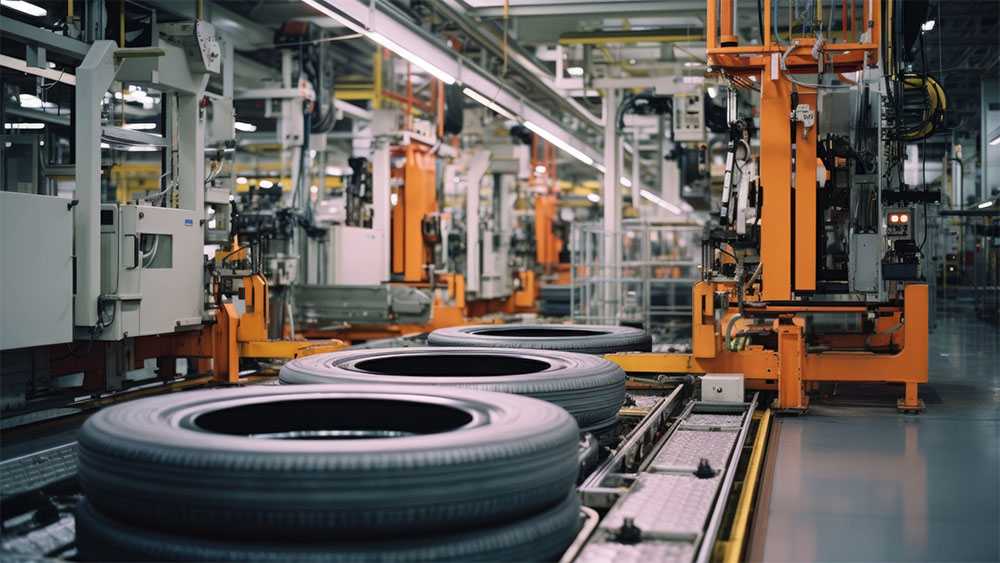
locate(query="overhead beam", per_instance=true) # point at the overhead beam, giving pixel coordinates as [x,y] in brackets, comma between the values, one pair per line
[19,31]
[578,8]
[429,48]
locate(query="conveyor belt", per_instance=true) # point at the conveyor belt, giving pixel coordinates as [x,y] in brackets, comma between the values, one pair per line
[34,471]
[664,511]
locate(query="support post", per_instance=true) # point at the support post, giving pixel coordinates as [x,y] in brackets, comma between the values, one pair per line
[611,196]
[791,351]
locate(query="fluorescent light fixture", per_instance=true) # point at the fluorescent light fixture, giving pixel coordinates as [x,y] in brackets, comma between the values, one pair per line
[995,141]
[625,182]
[927,25]
[540,169]
[245,127]
[411,56]
[24,7]
[314,189]
[660,201]
[23,125]
[29,101]
[242,180]
[488,103]
[105,146]
[574,71]
[142,148]
[334,171]
[573,151]
[594,198]
[693,64]
[265,183]
[337,17]
[600,168]
[140,126]
[985,204]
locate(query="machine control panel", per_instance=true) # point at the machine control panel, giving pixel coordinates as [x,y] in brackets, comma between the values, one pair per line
[899,223]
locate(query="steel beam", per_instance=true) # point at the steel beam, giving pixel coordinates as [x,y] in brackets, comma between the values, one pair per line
[578,8]
[19,31]
[435,52]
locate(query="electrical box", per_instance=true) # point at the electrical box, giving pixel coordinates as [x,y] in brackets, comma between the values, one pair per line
[689,117]
[36,270]
[151,271]
[722,388]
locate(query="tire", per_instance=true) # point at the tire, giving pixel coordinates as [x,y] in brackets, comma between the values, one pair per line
[540,537]
[590,388]
[556,293]
[587,339]
[185,462]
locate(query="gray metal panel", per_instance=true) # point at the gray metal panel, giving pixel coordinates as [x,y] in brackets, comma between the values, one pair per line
[36,270]
[667,506]
[645,552]
[687,447]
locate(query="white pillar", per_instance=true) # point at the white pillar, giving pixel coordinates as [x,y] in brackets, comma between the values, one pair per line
[611,196]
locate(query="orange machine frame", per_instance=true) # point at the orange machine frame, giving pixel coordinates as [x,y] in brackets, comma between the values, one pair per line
[788,244]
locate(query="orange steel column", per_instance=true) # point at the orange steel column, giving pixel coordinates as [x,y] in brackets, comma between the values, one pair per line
[776,180]
[791,351]
[726,36]
[419,200]
[805,201]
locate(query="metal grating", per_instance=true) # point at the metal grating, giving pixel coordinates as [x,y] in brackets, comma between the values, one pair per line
[666,505]
[687,447]
[30,472]
[645,552]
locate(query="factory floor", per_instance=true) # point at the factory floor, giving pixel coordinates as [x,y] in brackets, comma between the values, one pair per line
[850,482]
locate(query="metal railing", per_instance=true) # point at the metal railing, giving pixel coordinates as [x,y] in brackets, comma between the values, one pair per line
[640,275]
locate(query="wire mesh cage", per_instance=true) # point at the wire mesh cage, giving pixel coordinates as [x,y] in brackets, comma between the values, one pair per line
[640,275]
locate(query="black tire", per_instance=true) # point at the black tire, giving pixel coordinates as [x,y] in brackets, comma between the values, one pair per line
[539,537]
[590,388]
[556,293]
[587,339]
[186,462]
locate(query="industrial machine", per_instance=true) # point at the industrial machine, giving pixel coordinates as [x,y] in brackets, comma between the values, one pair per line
[127,281]
[811,272]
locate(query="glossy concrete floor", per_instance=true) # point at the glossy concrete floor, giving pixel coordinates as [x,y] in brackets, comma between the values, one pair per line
[854,482]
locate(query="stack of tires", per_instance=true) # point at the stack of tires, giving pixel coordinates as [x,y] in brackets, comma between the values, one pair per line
[328,473]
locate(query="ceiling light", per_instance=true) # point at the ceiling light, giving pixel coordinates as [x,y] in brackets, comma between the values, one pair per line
[573,151]
[140,126]
[625,182]
[242,180]
[29,101]
[594,197]
[600,168]
[660,201]
[23,125]
[488,103]
[575,71]
[411,56]
[927,25]
[142,148]
[265,184]
[985,204]
[540,169]
[24,7]
[995,141]
[343,20]
[314,189]
[692,64]
[245,127]
[334,171]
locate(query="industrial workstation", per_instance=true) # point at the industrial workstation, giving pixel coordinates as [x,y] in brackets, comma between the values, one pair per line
[500,280]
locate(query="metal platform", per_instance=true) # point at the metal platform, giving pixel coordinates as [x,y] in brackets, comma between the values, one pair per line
[662,508]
